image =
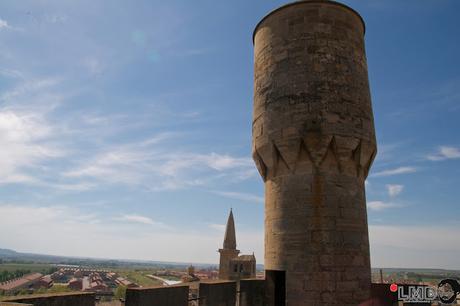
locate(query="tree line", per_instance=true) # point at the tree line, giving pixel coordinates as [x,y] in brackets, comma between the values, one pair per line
[7,275]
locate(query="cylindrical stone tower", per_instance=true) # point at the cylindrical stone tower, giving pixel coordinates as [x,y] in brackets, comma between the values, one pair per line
[313,144]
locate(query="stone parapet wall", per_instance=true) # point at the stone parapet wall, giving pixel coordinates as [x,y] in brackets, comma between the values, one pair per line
[217,293]
[252,292]
[58,299]
[249,292]
[158,296]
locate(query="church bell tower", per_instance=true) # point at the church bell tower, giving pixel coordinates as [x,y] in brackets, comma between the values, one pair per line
[229,251]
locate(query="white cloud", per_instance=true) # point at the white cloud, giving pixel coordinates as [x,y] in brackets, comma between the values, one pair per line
[142,164]
[78,186]
[117,166]
[135,219]
[31,92]
[396,171]
[32,216]
[74,233]
[241,196]
[4,24]
[24,144]
[68,230]
[224,162]
[394,189]
[159,138]
[11,73]
[32,137]
[20,127]
[29,140]
[180,161]
[218,227]
[445,152]
[380,205]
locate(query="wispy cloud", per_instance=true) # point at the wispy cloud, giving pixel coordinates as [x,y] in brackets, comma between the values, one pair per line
[395,171]
[25,142]
[24,215]
[4,24]
[31,92]
[32,136]
[115,166]
[215,161]
[218,227]
[68,230]
[394,189]
[445,152]
[11,73]
[29,138]
[135,219]
[380,205]
[241,196]
[142,165]
[72,186]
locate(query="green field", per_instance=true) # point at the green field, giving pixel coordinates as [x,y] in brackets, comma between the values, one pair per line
[139,277]
[34,267]
[10,271]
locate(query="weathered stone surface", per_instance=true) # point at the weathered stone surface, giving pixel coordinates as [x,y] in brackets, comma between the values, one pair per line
[158,296]
[58,299]
[217,293]
[252,292]
[313,144]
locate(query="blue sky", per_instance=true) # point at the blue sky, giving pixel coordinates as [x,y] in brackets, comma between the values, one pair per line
[125,129]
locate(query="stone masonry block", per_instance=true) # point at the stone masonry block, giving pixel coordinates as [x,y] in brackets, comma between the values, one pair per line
[158,296]
[252,292]
[217,293]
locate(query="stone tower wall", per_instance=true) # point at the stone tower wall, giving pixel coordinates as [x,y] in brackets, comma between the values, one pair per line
[313,144]
[225,267]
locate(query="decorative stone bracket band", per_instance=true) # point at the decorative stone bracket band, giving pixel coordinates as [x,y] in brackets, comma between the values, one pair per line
[313,153]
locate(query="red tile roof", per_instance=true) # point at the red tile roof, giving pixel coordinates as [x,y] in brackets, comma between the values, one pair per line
[20,282]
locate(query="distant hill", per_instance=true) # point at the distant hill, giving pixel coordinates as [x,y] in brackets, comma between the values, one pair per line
[7,255]
[8,252]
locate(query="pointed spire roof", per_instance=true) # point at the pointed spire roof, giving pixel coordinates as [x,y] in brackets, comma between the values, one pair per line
[230,237]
